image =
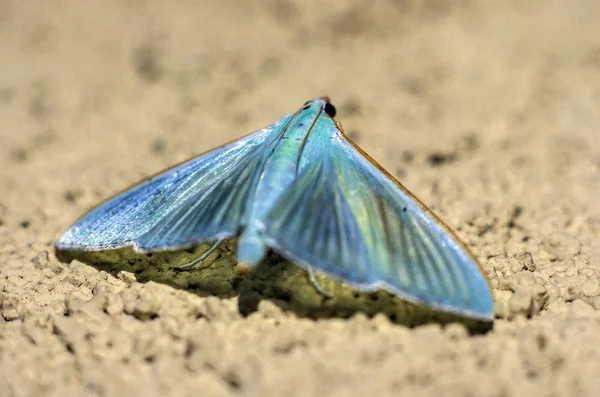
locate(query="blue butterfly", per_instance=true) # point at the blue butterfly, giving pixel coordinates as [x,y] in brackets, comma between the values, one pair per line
[303,189]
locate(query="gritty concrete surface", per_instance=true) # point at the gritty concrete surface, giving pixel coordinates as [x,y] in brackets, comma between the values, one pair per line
[488,111]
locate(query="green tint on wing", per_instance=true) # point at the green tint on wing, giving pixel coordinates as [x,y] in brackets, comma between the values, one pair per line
[345,218]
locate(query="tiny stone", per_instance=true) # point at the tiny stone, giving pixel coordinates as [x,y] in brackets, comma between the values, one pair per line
[590,288]
[41,260]
[580,307]
[269,309]
[9,308]
[112,304]
[127,277]
[520,303]
[145,310]
[456,331]
[526,261]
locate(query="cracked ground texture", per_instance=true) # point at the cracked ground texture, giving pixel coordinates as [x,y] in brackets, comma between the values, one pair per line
[487,111]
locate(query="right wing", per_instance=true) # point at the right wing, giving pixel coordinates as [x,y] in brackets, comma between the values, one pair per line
[345,217]
[202,199]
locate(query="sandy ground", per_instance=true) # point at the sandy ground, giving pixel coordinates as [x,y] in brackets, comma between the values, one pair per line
[490,114]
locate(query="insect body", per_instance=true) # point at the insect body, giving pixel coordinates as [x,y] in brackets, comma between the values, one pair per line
[302,188]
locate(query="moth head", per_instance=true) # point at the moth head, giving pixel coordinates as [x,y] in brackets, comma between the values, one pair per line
[323,103]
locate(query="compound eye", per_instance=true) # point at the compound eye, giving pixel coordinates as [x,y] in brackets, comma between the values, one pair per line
[330,110]
[306,105]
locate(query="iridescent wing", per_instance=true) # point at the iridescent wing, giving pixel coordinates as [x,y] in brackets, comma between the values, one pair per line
[202,199]
[346,217]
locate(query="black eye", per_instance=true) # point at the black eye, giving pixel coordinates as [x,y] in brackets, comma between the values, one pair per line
[330,110]
[306,105]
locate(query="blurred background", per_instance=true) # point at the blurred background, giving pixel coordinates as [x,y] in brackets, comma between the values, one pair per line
[487,111]
[481,109]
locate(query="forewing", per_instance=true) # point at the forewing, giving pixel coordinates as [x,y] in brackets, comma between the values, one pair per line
[348,219]
[201,199]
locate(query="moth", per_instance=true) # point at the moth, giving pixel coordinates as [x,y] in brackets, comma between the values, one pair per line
[302,188]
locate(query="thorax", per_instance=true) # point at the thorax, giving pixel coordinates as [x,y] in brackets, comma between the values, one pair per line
[301,143]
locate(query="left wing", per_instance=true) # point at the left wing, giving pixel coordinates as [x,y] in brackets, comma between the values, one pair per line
[345,216]
[202,199]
